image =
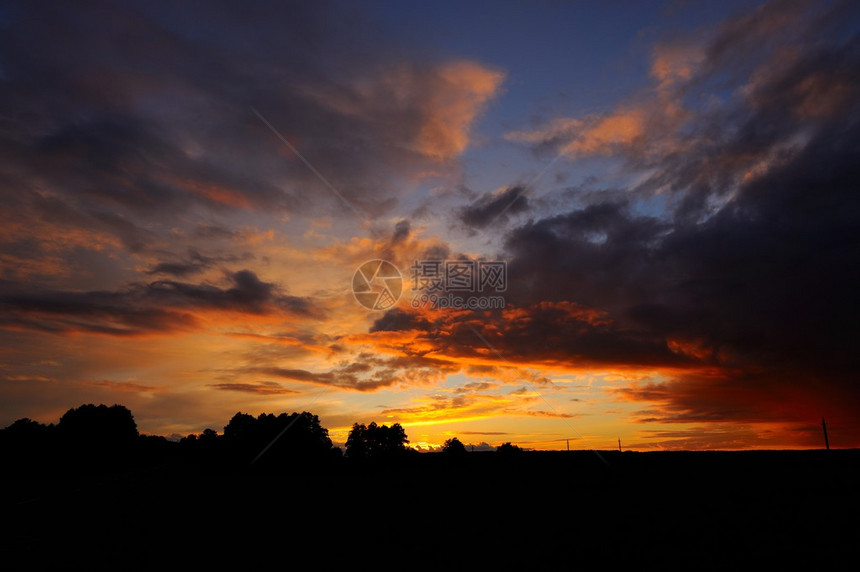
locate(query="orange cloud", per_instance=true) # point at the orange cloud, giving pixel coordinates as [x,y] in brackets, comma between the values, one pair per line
[675,63]
[285,340]
[438,103]
[122,386]
[54,240]
[649,125]
[212,191]
[696,349]
[593,135]
[441,408]
[726,437]
[464,88]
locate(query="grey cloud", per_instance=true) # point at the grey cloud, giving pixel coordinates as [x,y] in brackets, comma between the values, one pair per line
[493,207]
[366,372]
[160,306]
[401,232]
[260,388]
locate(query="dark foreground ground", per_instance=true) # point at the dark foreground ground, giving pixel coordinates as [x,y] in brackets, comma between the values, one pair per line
[692,511]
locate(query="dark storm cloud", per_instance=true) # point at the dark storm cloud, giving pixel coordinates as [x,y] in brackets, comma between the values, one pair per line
[398,320]
[491,207]
[561,334]
[194,263]
[755,270]
[178,269]
[769,282]
[137,116]
[741,43]
[794,70]
[248,294]
[158,307]
[767,275]
[590,255]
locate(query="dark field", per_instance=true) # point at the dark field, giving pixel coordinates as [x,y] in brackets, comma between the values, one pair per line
[696,511]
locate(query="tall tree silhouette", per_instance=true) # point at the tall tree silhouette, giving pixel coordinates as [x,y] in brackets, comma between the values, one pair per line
[270,440]
[376,441]
[97,435]
[453,446]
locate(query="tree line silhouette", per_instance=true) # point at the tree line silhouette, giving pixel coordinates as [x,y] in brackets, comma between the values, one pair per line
[98,437]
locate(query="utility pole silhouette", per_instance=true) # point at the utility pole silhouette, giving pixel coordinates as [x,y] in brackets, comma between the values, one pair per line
[824,426]
[568,445]
[619,444]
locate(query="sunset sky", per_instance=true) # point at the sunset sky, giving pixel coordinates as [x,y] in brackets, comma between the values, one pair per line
[188,189]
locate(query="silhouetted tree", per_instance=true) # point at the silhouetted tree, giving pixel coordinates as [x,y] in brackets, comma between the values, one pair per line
[24,428]
[375,441]
[453,446]
[25,431]
[205,451]
[98,437]
[356,443]
[283,437]
[508,449]
[208,436]
[94,437]
[241,427]
[28,446]
[155,449]
[100,424]
[207,439]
